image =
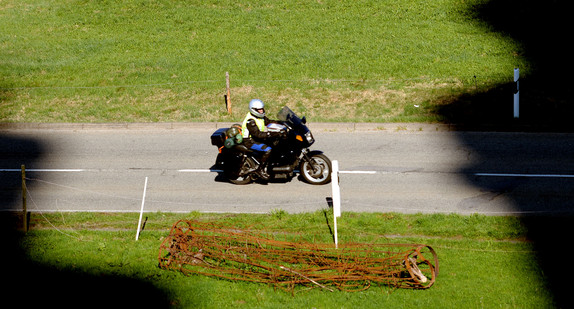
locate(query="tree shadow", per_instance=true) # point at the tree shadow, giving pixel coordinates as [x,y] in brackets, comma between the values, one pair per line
[30,284]
[545,106]
[546,92]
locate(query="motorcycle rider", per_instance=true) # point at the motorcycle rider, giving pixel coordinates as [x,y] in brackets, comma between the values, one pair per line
[256,135]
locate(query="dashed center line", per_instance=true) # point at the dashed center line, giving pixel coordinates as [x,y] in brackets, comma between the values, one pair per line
[525,175]
[199,170]
[65,170]
[221,171]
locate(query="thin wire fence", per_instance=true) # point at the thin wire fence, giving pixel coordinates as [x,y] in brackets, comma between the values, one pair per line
[471,80]
[41,209]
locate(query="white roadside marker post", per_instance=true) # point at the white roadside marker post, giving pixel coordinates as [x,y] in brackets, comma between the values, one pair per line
[141,211]
[336,198]
[516,93]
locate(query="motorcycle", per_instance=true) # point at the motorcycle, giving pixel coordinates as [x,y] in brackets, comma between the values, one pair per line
[289,153]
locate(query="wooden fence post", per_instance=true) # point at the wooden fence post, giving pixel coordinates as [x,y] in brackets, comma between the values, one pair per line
[228,96]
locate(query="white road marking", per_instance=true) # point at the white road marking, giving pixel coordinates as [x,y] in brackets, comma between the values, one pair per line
[220,171]
[181,170]
[42,170]
[525,175]
[72,170]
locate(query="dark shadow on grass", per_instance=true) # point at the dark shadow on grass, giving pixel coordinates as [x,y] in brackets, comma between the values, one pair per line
[546,92]
[546,105]
[327,219]
[29,284]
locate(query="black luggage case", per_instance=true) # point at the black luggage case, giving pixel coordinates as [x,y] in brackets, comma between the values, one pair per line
[218,137]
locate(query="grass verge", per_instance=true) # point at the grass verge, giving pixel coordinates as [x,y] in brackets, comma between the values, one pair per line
[485,261]
[147,61]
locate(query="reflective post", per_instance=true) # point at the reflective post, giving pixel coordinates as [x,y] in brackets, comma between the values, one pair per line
[516,93]
[24,206]
[336,197]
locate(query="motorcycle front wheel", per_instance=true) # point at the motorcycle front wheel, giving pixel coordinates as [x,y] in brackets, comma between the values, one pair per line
[316,171]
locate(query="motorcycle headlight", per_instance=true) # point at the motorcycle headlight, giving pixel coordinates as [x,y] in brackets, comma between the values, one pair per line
[309,137]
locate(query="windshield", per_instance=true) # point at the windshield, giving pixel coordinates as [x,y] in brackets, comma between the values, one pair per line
[286,114]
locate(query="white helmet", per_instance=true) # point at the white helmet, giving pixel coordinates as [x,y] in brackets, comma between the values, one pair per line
[254,105]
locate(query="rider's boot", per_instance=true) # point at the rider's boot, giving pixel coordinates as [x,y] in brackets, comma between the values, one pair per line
[262,170]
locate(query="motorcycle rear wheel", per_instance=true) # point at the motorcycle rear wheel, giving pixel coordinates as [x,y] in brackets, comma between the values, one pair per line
[316,171]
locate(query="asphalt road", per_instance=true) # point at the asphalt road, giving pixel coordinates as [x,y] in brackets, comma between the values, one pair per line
[412,169]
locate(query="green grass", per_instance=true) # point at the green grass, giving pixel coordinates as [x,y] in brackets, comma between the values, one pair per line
[484,261]
[148,61]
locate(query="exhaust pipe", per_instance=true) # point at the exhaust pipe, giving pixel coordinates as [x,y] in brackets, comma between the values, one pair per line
[282,169]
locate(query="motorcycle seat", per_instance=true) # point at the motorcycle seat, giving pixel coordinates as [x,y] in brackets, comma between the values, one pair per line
[243,149]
